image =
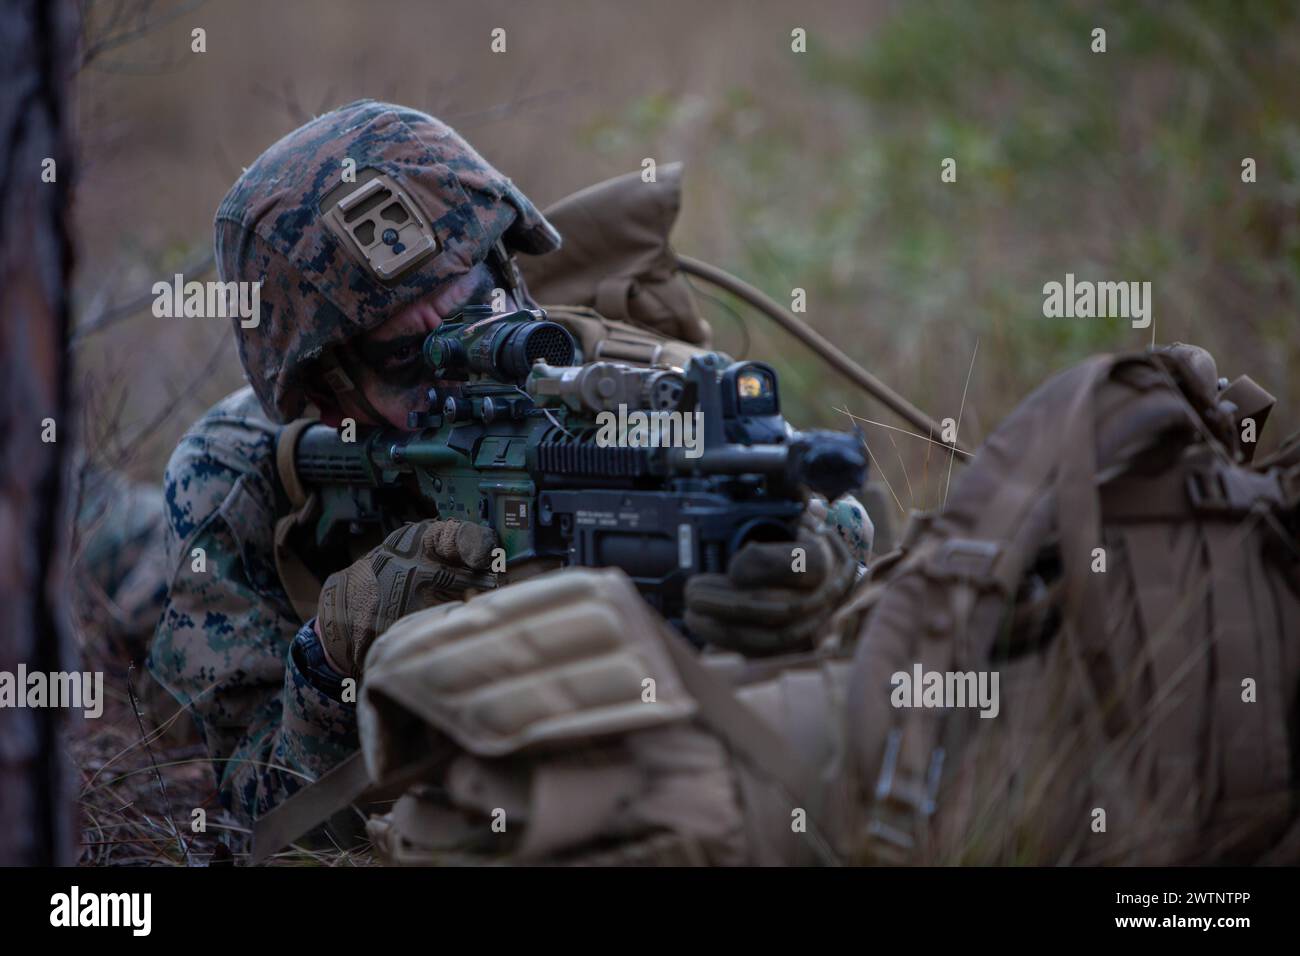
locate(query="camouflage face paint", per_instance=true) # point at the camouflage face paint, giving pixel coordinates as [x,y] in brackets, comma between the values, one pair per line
[397,362]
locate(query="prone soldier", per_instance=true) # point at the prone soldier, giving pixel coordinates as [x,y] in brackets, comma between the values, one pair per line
[368,227]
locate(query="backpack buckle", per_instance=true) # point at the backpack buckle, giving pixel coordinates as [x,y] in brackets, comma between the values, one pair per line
[967,559]
[1219,491]
[901,800]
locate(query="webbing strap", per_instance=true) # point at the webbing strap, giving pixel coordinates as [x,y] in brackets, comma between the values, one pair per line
[1214,489]
[1162,560]
[309,807]
[340,375]
[286,447]
[1251,737]
[751,738]
[346,783]
[1158,498]
[300,584]
[1079,510]
[912,765]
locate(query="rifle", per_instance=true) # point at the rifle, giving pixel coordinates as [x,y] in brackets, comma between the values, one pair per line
[664,473]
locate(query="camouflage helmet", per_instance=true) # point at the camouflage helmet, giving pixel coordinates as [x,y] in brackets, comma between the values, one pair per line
[340,247]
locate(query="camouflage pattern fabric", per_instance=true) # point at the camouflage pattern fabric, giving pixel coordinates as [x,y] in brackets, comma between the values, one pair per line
[222,645]
[849,517]
[316,291]
[119,573]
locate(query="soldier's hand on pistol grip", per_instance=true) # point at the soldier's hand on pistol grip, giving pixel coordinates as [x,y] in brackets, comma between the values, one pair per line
[776,596]
[418,566]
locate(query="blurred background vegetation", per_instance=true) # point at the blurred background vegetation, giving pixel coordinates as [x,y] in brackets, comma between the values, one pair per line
[818,170]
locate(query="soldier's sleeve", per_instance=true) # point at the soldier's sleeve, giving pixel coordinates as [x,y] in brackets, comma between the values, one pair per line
[223,645]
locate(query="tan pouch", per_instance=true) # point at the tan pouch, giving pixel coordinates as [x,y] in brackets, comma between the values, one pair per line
[556,659]
[554,672]
[616,258]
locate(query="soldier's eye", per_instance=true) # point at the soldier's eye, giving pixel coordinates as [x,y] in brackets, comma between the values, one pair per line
[402,356]
[396,355]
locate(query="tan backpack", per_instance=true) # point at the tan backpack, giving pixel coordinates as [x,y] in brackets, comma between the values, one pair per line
[1113,556]
[616,258]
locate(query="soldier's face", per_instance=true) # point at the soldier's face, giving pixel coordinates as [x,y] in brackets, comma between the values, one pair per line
[388,361]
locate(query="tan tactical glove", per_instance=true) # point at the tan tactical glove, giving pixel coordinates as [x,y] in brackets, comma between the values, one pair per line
[776,596]
[418,565]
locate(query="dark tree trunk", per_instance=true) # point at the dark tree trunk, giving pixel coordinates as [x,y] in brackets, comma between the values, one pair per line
[37,45]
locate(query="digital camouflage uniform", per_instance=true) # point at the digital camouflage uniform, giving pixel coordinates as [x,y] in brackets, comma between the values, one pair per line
[222,645]
[118,568]
[119,575]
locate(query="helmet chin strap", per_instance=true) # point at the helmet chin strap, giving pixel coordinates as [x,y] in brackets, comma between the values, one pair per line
[503,264]
[341,376]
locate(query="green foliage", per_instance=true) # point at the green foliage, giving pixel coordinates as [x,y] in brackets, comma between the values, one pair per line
[1124,166]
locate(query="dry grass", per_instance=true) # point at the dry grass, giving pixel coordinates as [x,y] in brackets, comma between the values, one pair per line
[142,772]
[137,790]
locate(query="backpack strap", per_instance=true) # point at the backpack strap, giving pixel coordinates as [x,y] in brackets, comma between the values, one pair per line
[1249,740]
[343,785]
[979,567]
[1160,555]
[753,740]
[309,807]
